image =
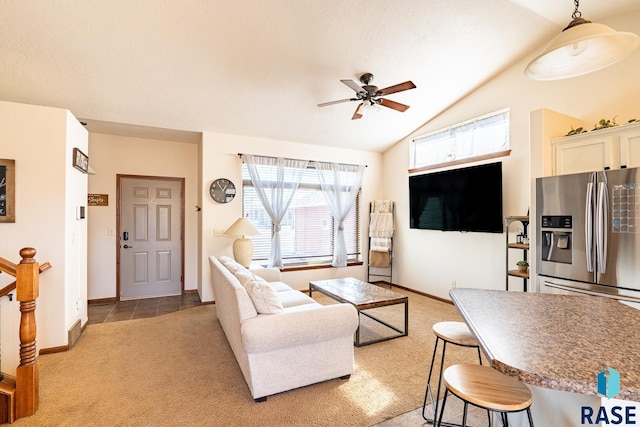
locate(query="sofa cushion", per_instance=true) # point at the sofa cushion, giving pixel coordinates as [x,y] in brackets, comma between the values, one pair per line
[264,296]
[293,298]
[280,286]
[271,274]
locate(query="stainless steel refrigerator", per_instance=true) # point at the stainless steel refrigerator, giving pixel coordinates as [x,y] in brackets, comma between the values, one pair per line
[588,233]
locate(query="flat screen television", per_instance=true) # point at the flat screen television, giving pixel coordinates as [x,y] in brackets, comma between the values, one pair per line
[466,199]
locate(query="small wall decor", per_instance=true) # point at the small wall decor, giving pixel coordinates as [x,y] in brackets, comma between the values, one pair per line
[98,199]
[80,161]
[7,190]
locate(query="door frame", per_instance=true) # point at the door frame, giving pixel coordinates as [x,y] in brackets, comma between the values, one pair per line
[119,178]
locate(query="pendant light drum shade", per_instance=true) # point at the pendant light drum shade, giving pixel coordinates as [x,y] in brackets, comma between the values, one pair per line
[580,49]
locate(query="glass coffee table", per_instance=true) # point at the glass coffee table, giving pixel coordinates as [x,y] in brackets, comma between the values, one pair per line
[364,296]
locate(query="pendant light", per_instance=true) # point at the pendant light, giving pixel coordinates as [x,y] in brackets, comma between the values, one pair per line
[582,47]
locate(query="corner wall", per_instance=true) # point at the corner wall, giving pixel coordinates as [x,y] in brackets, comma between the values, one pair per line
[41,140]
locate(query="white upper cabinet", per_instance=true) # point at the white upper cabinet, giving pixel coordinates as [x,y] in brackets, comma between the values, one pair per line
[630,146]
[610,148]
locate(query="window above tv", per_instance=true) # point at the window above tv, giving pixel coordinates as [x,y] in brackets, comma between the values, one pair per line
[480,138]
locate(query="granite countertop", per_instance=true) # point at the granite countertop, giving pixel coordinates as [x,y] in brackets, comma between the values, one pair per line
[559,342]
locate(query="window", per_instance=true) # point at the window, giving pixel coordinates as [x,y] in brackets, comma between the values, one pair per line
[308,229]
[478,137]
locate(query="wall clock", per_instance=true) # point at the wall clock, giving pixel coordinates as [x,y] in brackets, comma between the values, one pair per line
[222,190]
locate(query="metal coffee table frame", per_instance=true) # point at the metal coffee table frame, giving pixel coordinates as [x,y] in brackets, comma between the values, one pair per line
[364,296]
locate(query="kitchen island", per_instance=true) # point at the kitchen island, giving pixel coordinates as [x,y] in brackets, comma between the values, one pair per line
[556,342]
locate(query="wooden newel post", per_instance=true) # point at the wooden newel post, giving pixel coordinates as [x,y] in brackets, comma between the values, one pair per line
[27,373]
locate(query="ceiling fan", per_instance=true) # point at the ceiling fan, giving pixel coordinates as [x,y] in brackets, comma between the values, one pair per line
[370,96]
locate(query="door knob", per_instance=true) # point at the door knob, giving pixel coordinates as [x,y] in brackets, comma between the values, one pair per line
[127,246]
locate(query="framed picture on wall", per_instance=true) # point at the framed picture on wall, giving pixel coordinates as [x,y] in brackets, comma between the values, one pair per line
[80,161]
[7,190]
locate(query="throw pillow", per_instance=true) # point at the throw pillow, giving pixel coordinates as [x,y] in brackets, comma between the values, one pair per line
[244,276]
[264,297]
[230,264]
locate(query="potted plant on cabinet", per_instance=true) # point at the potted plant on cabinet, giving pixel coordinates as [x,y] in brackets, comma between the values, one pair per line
[522,266]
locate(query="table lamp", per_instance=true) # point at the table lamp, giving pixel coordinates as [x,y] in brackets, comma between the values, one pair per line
[242,247]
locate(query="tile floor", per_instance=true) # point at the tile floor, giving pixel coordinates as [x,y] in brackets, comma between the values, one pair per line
[453,414]
[137,309]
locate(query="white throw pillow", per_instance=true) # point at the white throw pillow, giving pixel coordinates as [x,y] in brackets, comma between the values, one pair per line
[264,297]
[244,276]
[230,264]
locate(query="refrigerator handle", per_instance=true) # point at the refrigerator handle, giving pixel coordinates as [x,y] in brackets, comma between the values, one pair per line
[588,224]
[601,226]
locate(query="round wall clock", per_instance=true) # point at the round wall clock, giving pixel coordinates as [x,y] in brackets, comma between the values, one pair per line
[222,190]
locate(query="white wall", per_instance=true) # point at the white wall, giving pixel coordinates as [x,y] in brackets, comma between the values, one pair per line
[75,244]
[41,140]
[220,160]
[429,261]
[112,155]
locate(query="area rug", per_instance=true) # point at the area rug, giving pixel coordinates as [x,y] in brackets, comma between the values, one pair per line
[178,369]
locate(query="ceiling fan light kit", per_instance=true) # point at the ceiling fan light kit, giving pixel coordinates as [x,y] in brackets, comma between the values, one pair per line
[369,107]
[581,48]
[370,96]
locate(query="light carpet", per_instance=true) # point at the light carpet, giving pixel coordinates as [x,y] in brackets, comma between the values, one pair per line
[178,369]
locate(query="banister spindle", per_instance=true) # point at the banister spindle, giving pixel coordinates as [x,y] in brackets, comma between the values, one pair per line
[27,373]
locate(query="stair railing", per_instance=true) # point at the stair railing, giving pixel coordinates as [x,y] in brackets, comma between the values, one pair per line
[26,285]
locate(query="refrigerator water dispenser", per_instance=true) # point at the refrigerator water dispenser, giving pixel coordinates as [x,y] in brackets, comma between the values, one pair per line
[555,236]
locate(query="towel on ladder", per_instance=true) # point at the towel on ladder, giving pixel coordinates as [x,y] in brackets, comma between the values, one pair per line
[380,244]
[381,206]
[379,259]
[381,225]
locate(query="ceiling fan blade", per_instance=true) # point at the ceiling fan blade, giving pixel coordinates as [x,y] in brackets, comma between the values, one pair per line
[340,101]
[393,105]
[397,88]
[357,115]
[353,85]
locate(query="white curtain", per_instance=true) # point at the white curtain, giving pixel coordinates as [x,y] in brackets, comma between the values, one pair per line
[275,181]
[340,185]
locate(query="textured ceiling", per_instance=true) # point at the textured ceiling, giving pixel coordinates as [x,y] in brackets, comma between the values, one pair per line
[258,68]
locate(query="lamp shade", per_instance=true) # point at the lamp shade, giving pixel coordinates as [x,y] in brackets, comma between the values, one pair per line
[242,227]
[242,247]
[581,48]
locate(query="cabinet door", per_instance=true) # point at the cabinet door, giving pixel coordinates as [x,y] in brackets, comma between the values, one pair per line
[630,148]
[585,154]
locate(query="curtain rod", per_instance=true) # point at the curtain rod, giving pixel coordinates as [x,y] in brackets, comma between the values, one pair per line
[288,158]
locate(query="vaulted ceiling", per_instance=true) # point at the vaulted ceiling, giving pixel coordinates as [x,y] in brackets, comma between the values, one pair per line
[260,67]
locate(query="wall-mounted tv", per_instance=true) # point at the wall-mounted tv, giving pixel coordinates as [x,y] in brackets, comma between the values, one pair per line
[466,199]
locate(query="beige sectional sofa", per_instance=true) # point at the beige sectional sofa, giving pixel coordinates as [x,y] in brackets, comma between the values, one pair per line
[281,338]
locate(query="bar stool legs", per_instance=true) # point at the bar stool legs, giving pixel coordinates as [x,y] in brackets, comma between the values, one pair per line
[455,333]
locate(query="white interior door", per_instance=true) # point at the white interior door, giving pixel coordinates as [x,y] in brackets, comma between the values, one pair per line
[150,237]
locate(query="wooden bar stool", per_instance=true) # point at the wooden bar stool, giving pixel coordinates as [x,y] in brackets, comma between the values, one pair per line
[456,333]
[486,388]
